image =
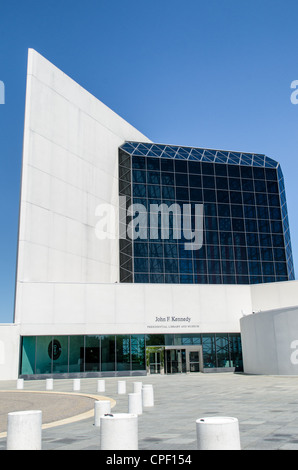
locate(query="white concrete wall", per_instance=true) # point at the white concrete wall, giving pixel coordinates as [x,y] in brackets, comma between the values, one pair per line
[270,342]
[131,308]
[70,166]
[9,351]
[267,334]
[274,295]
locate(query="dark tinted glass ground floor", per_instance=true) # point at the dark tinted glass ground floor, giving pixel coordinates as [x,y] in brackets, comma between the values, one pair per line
[112,355]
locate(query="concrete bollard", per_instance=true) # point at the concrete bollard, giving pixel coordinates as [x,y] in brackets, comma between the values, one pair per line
[76,385]
[121,387]
[101,386]
[101,407]
[135,403]
[137,387]
[24,430]
[218,433]
[49,384]
[20,384]
[119,432]
[147,396]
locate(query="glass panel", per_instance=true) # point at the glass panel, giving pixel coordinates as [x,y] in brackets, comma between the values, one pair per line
[139,163]
[140,265]
[222,183]
[181,179]
[194,364]
[44,355]
[28,355]
[236,351]
[153,163]
[154,340]
[235,184]
[92,353]
[123,352]
[76,354]
[208,182]
[153,177]
[222,350]
[107,353]
[138,359]
[141,278]
[180,166]
[167,164]
[60,354]
[209,350]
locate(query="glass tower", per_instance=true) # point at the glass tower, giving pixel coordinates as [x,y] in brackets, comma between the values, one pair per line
[246,237]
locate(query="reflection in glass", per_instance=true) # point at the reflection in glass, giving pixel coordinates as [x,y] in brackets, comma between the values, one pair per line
[92,353]
[28,355]
[138,352]
[108,353]
[43,355]
[60,354]
[76,353]
[123,352]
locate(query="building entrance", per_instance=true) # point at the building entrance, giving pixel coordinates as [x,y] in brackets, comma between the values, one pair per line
[174,359]
[182,360]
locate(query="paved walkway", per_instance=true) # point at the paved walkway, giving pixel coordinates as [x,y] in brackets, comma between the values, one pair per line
[266,407]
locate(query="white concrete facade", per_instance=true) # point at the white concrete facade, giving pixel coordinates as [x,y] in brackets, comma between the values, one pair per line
[132,308]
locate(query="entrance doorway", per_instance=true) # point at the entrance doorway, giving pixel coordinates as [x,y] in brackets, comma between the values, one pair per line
[174,359]
[182,360]
[155,363]
[155,359]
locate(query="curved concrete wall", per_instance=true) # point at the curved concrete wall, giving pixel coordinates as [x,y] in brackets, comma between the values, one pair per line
[270,342]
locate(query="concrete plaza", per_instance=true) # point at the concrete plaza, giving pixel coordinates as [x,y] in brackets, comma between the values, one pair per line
[266,407]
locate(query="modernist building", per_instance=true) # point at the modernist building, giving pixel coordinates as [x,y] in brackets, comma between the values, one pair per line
[195,240]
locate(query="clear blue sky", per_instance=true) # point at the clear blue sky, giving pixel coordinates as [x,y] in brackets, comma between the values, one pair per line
[212,73]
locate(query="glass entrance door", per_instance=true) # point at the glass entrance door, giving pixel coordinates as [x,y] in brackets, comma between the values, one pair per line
[155,363]
[181,360]
[194,361]
[175,361]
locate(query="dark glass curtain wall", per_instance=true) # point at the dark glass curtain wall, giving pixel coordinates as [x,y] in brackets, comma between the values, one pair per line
[246,230]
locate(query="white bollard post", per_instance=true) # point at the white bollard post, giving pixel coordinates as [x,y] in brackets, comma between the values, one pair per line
[20,384]
[119,432]
[218,433]
[135,403]
[148,396]
[137,387]
[49,384]
[101,386]
[24,430]
[101,407]
[121,387]
[76,385]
